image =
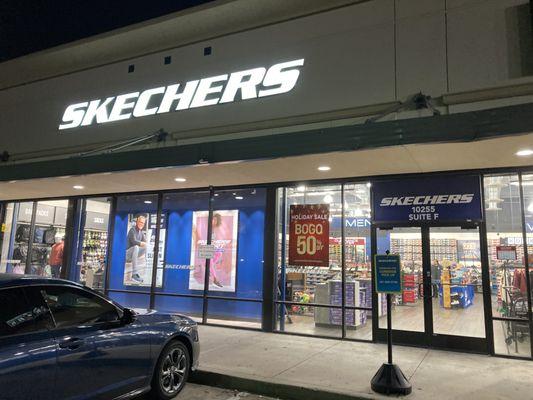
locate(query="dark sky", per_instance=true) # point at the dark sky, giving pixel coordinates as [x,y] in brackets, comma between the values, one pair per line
[27,26]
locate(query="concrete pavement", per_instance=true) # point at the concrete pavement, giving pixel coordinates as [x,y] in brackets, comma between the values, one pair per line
[343,370]
[200,392]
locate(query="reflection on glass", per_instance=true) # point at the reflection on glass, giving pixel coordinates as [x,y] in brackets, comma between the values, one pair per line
[456,281]
[244,314]
[309,320]
[512,338]
[408,306]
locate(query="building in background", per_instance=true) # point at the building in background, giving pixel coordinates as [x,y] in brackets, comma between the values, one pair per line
[243,165]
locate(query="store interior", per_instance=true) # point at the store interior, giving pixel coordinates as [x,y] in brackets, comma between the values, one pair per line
[456,270]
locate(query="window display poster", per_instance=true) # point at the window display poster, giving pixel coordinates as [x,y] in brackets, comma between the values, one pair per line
[139,251]
[468,250]
[223,265]
[309,235]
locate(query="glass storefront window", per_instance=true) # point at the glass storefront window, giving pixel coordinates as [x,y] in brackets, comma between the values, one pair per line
[358,265]
[527,185]
[304,285]
[236,268]
[33,238]
[503,213]
[92,241]
[133,246]
[182,288]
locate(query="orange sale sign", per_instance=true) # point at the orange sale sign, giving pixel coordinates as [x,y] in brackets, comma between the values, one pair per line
[309,235]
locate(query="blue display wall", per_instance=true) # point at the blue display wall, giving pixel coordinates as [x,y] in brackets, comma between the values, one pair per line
[178,210]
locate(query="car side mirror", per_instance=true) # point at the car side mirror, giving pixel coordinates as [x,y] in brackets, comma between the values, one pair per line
[128,316]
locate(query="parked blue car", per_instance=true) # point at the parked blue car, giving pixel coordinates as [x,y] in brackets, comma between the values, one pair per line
[61,340]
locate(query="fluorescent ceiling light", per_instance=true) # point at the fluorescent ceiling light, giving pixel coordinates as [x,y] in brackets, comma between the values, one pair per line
[324,168]
[239,197]
[301,188]
[147,202]
[524,153]
[78,187]
[180,179]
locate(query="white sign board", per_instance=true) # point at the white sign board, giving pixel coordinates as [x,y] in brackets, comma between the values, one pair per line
[206,251]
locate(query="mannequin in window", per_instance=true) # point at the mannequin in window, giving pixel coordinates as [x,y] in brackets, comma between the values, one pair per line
[136,247]
[56,256]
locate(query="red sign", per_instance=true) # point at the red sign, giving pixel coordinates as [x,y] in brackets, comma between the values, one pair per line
[309,235]
[506,253]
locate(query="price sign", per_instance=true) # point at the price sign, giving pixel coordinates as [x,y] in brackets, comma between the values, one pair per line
[309,235]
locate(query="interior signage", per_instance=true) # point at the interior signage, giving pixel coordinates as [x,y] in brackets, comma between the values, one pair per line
[226,88]
[428,199]
[350,222]
[309,235]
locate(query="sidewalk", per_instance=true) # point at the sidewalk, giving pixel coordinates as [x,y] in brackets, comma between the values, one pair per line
[344,369]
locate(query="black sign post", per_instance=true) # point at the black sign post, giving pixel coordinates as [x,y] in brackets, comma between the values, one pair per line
[389,379]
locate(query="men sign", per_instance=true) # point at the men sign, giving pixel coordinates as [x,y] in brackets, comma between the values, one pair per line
[309,235]
[388,273]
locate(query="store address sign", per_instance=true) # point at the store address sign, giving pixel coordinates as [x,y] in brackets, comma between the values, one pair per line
[251,84]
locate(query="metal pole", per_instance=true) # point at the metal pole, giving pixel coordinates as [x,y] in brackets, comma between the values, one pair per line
[283,258]
[389,327]
[207,260]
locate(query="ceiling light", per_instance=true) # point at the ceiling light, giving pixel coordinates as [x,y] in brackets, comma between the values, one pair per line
[524,153]
[147,202]
[328,199]
[301,188]
[530,207]
[78,187]
[180,179]
[368,184]
[324,168]
[239,197]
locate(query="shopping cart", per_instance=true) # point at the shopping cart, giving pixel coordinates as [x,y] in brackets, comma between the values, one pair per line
[515,305]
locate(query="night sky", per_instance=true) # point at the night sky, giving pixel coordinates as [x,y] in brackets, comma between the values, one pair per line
[27,26]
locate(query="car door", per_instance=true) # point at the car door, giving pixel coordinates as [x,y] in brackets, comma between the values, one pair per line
[27,348]
[99,356]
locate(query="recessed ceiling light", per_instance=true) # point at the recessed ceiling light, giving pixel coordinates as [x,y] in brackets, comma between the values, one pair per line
[147,202]
[239,197]
[324,168]
[524,153]
[301,188]
[180,179]
[216,194]
[78,187]
[368,184]
[328,199]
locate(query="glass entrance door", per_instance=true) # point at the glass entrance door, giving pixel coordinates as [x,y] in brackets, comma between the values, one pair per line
[456,282]
[442,299]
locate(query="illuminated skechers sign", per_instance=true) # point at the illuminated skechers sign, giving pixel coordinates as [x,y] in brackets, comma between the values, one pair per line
[251,84]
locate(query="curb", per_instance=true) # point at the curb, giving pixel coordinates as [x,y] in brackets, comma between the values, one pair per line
[276,390]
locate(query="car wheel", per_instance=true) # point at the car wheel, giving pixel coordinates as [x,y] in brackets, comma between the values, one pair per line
[172,371]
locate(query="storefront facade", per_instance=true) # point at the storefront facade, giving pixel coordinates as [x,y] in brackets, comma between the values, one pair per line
[254,191]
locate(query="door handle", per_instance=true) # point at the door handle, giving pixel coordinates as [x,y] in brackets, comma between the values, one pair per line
[71,343]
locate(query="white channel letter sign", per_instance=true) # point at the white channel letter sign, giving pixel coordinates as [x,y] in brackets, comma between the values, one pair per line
[251,84]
